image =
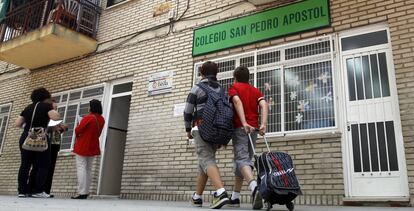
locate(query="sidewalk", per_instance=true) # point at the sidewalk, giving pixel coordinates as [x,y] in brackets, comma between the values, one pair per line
[10,203]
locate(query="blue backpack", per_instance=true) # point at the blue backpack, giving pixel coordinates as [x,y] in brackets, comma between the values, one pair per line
[217,124]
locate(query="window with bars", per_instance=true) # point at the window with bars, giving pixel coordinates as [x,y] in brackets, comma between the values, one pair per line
[72,106]
[296,80]
[4,117]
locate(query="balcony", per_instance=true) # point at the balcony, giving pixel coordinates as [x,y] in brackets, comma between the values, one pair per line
[43,32]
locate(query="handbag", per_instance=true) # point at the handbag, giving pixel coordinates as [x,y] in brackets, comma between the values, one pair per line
[36,140]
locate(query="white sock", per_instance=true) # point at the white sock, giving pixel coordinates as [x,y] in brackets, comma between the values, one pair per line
[196,196]
[235,195]
[220,191]
[252,185]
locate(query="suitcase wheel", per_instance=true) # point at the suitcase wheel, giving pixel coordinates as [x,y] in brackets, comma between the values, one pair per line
[290,206]
[269,206]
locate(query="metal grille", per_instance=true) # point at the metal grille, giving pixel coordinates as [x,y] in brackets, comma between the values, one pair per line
[4,116]
[75,95]
[268,82]
[4,110]
[309,97]
[3,123]
[308,50]
[374,147]
[268,57]
[368,77]
[70,121]
[247,61]
[92,92]
[226,66]
[77,106]
[296,80]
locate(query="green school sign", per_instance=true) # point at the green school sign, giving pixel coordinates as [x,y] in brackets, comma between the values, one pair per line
[293,18]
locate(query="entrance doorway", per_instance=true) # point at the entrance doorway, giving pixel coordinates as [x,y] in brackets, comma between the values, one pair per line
[114,147]
[374,142]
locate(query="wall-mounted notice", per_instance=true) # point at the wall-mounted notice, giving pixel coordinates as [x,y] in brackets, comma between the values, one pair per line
[160,83]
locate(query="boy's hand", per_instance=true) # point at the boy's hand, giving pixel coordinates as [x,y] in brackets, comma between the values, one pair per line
[248,128]
[262,130]
[189,136]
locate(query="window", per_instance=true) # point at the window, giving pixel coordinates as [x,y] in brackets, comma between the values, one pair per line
[364,40]
[121,88]
[113,2]
[4,117]
[296,80]
[77,106]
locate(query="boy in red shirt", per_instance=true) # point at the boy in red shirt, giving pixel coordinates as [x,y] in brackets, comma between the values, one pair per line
[246,100]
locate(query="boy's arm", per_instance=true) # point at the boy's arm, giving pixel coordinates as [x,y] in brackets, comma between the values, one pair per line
[189,112]
[265,111]
[238,105]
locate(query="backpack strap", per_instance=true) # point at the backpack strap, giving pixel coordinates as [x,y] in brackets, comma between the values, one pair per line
[204,87]
[207,89]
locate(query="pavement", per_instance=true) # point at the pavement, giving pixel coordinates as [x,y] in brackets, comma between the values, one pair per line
[11,203]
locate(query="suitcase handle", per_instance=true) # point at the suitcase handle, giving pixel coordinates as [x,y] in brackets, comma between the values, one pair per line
[251,142]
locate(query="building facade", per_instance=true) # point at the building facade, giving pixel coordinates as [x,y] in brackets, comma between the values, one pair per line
[337,75]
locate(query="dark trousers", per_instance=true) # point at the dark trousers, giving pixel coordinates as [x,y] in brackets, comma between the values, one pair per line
[34,160]
[54,150]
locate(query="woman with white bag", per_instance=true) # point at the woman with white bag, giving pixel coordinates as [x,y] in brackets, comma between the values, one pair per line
[34,145]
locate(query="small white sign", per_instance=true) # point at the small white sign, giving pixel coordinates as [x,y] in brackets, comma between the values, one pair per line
[160,83]
[179,109]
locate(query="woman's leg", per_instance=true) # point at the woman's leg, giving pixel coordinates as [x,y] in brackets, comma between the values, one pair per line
[25,165]
[81,166]
[42,164]
[49,180]
[88,174]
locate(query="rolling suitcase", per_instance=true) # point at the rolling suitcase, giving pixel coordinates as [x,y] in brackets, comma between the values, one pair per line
[276,177]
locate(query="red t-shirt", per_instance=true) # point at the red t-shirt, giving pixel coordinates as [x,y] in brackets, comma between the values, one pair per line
[250,97]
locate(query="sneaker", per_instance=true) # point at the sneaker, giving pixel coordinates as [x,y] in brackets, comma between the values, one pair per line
[234,203]
[257,200]
[219,201]
[196,202]
[41,195]
[21,195]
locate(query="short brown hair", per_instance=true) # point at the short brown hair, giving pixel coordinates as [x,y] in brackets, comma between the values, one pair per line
[242,74]
[209,69]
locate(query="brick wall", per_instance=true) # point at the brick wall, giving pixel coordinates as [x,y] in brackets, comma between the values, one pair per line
[137,15]
[158,162]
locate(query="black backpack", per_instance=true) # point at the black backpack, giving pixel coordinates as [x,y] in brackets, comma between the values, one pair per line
[217,124]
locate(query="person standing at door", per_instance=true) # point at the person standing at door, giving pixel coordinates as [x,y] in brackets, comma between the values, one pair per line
[87,146]
[38,115]
[55,136]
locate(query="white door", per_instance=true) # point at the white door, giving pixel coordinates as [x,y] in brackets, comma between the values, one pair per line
[374,137]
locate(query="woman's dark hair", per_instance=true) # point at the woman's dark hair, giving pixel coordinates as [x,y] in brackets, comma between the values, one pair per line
[209,69]
[95,106]
[40,94]
[242,74]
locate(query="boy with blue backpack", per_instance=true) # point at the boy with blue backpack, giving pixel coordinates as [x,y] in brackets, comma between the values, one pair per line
[246,101]
[208,119]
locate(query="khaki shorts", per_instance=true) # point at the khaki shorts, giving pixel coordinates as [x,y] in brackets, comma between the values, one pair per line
[242,149]
[206,152]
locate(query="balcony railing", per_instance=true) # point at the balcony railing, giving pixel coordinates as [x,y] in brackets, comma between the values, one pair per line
[79,15]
